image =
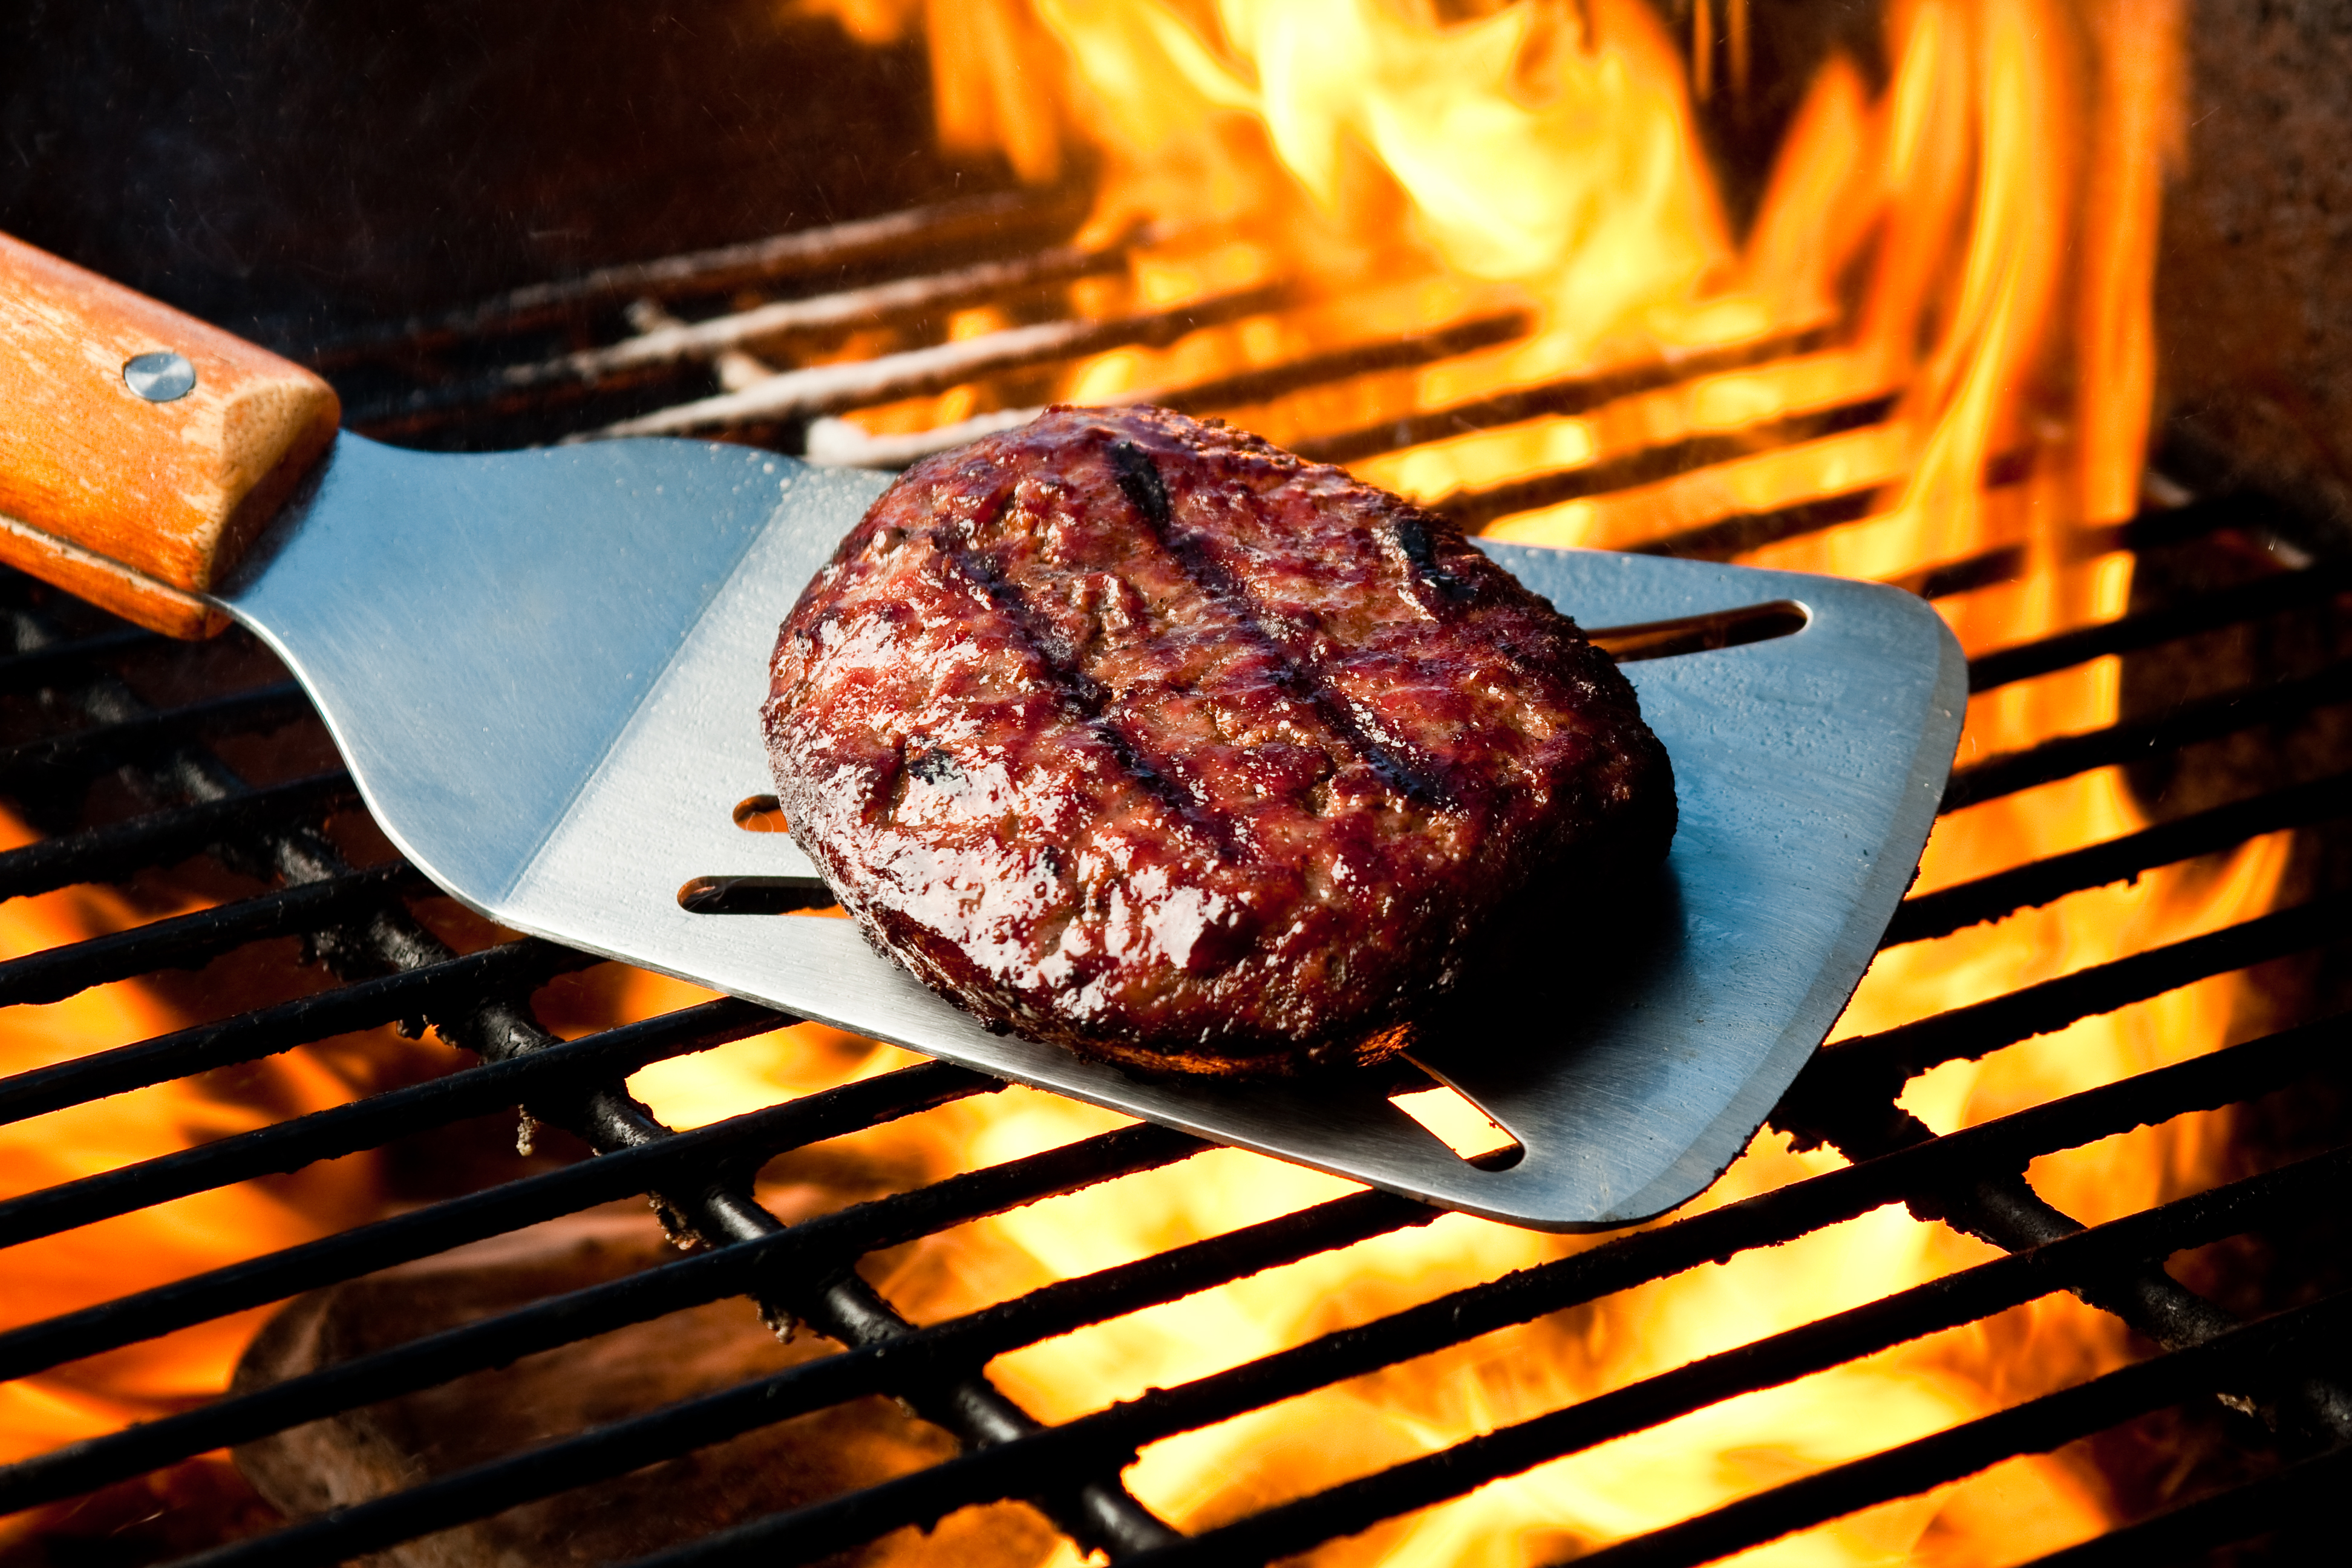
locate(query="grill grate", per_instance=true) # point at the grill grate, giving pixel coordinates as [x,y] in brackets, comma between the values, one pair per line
[85,729]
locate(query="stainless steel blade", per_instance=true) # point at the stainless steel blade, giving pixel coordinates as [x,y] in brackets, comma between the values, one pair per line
[545,671]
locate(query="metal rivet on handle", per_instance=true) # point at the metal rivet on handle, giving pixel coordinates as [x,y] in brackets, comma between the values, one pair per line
[160,376]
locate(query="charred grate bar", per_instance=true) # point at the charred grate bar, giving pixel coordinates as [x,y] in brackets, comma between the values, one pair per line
[1475,510]
[706,1203]
[783,259]
[93,732]
[239,1287]
[2054,876]
[1852,1083]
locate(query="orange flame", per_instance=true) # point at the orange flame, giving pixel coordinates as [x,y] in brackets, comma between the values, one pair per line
[98,1262]
[1980,236]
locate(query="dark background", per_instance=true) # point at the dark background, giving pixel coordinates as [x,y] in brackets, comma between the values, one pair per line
[2254,291]
[274,166]
[287,167]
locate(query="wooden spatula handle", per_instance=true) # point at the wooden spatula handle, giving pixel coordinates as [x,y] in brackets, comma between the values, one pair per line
[140,450]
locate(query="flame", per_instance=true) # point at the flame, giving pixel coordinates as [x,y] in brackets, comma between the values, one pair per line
[1976,236]
[1979,237]
[152,1247]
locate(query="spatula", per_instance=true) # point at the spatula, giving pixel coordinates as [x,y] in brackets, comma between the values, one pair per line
[544,669]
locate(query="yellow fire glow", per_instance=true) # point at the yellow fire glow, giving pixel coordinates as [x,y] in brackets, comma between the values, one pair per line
[1977,237]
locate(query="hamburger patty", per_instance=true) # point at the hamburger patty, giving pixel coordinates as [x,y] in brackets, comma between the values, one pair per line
[1144,737]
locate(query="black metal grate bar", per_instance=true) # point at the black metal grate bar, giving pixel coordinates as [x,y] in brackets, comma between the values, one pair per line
[1475,509]
[1617,1265]
[2006,1211]
[2046,1423]
[1875,1067]
[1471,1310]
[394,970]
[1947,909]
[37,666]
[454,1498]
[1570,395]
[2150,530]
[104,746]
[113,852]
[1231,390]
[287,1146]
[248,1036]
[798,253]
[693,341]
[1099,1513]
[2307,1491]
[913,372]
[1964,1297]
[671,350]
[823,1243]
[187,941]
[1167,1276]
[754,1136]
[160,1311]
[1726,538]
[2205,720]
[2207,612]
[987,1475]
[1405,353]
[1741,532]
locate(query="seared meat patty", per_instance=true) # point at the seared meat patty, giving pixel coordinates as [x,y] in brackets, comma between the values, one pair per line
[1140,735]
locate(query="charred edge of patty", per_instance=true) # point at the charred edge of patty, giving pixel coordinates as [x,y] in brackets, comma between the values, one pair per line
[1279,1059]
[939,965]
[1313,1062]
[1554,893]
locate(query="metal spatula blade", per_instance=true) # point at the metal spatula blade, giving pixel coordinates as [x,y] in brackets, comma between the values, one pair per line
[545,671]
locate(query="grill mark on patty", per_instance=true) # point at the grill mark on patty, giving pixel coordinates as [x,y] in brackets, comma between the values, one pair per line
[1080,694]
[1553,761]
[1139,478]
[1420,552]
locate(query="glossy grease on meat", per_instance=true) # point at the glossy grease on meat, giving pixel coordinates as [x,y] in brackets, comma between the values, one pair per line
[1144,737]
